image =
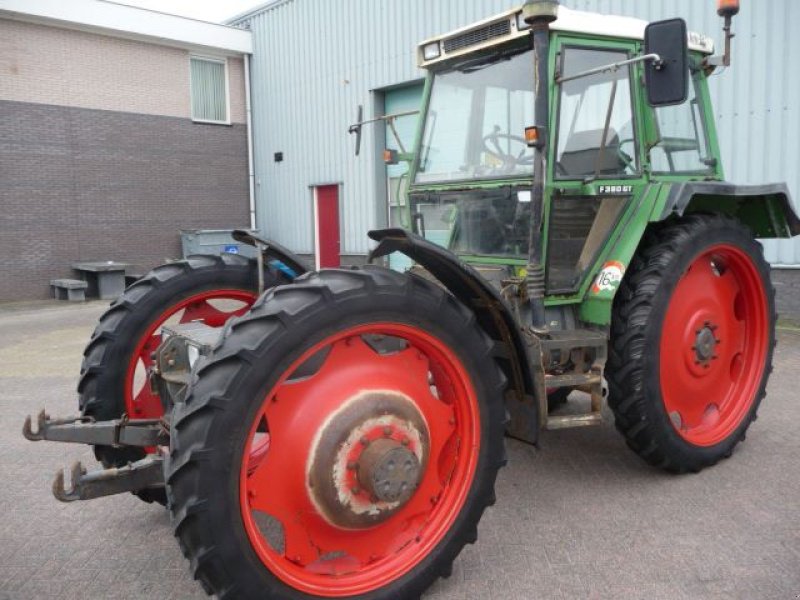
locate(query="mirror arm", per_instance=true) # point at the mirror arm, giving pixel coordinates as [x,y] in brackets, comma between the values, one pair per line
[614,67]
[356,127]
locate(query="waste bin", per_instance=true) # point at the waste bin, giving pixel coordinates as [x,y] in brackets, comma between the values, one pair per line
[214,241]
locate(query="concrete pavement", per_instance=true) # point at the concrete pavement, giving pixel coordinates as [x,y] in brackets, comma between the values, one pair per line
[581,518]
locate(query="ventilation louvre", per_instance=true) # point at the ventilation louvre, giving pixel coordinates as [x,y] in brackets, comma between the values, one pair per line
[478,36]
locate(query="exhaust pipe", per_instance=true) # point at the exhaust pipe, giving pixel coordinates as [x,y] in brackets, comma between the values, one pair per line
[538,14]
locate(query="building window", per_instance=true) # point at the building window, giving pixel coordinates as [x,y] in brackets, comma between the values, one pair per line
[209,90]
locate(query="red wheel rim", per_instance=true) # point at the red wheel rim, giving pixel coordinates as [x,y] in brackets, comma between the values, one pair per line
[314,555]
[714,345]
[140,401]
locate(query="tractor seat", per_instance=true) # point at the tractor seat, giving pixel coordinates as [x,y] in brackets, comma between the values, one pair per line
[579,158]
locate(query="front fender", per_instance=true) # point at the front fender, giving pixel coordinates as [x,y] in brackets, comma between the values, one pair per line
[288,262]
[492,312]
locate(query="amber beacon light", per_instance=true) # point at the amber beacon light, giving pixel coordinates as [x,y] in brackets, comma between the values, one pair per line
[727,8]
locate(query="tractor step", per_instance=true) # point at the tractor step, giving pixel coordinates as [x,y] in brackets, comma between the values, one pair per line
[587,351]
[564,343]
[142,474]
[574,338]
[572,380]
[591,383]
[84,430]
[568,421]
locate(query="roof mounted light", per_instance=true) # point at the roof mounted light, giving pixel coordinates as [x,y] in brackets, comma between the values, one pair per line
[727,8]
[431,51]
[539,10]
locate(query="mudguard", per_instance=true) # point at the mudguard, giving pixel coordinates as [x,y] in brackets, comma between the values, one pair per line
[291,264]
[766,209]
[492,312]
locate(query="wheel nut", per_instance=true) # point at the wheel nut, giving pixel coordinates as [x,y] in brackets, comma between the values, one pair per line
[364,441]
[387,431]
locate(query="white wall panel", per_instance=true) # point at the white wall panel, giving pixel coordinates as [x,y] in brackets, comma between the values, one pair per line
[314,61]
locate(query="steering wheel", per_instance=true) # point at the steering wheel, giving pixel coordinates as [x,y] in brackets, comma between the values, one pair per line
[508,159]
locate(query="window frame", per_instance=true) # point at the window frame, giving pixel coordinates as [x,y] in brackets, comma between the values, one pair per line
[219,60]
[561,58]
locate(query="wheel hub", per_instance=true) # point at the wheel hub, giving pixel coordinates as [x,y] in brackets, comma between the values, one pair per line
[368,460]
[705,344]
[389,471]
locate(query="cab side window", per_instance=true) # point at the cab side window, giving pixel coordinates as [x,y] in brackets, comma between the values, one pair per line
[595,127]
[682,146]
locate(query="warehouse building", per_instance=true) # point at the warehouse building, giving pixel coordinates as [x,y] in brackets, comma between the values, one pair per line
[121,126]
[314,63]
[118,127]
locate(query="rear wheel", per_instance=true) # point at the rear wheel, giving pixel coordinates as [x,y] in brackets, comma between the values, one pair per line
[359,463]
[113,382]
[692,338]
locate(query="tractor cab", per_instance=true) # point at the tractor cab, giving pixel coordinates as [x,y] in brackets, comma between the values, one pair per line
[604,144]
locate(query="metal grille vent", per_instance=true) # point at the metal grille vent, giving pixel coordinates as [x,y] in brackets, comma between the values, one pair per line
[478,36]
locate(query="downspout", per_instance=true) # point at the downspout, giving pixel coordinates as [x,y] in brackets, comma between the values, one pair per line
[539,14]
[251,178]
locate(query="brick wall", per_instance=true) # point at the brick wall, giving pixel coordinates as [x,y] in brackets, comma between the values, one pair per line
[787,293]
[82,184]
[51,65]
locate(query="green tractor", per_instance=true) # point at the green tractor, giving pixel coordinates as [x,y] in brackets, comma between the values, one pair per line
[572,231]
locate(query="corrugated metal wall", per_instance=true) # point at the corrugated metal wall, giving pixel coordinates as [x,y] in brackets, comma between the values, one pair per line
[315,61]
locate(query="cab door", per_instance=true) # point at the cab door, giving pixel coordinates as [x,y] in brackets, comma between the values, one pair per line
[596,170]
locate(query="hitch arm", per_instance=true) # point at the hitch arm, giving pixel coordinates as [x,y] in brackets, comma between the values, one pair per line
[145,473]
[80,430]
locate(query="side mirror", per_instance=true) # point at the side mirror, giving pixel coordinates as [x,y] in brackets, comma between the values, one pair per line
[667,80]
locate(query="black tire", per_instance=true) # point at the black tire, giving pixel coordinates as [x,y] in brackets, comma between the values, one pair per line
[640,307]
[101,389]
[210,429]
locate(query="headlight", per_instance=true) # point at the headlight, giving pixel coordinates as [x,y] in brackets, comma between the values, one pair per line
[431,51]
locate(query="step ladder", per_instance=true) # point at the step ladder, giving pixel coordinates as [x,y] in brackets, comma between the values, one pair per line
[580,345]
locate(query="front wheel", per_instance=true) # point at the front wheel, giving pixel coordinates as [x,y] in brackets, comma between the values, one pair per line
[692,337]
[343,441]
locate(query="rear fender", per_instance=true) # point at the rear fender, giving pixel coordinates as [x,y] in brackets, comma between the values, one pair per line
[766,209]
[492,313]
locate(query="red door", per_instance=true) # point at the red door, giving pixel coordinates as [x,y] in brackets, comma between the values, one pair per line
[326,212]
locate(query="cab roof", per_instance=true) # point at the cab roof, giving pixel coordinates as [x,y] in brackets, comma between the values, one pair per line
[503,27]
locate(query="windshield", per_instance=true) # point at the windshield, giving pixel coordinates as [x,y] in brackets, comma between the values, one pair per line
[476,120]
